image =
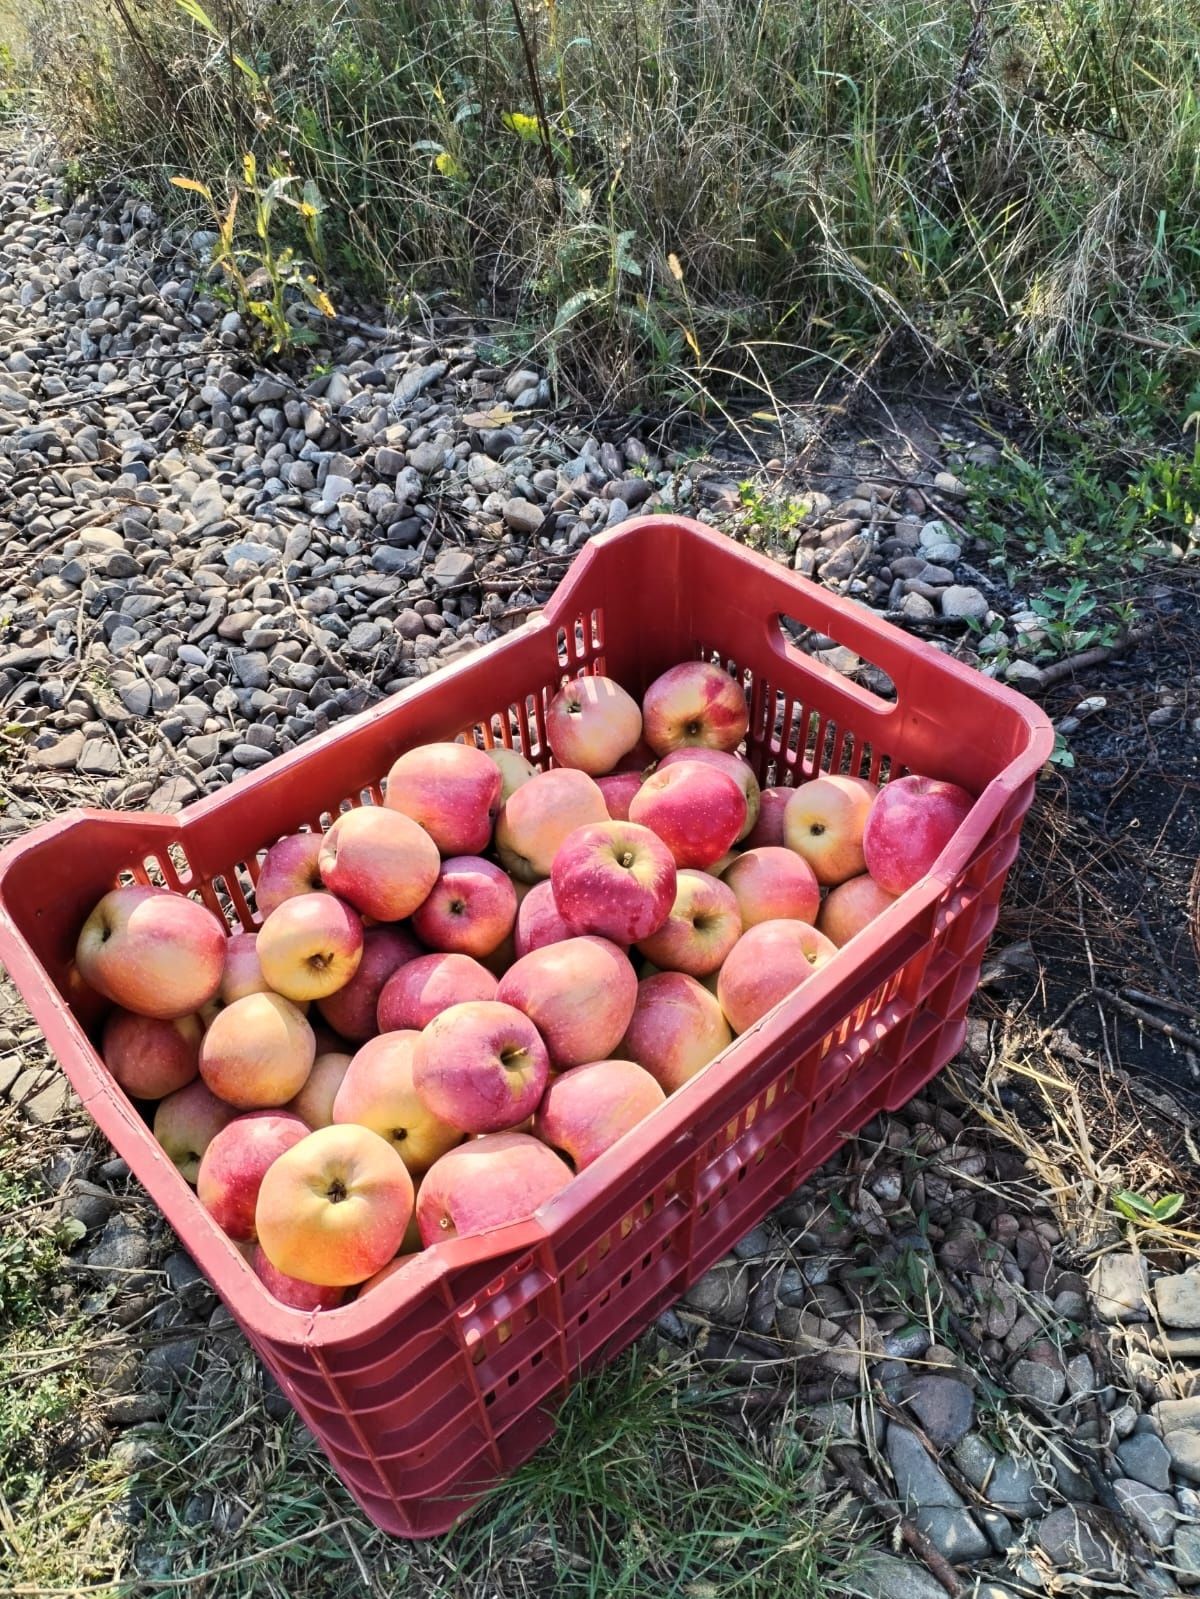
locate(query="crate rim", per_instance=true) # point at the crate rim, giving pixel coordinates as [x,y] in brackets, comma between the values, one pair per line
[262,1314]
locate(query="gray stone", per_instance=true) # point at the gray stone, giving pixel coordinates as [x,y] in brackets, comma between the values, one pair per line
[917,608]
[883,1576]
[267,390]
[523,516]
[133,1452]
[1186,1554]
[336,488]
[722,1292]
[1038,1381]
[428,457]
[124,1245]
[930,1500]
[248,550]
[453,566]
[1177,1300]
[517,383]
[1174,1346]
[1154,1514]
[1077,1540]
[99,758]
[250,755]
[1183,1447]
[949,486]
[944,1406]
[417,379]
[1119,1284]
[61,756]
[135,697]
[1144,1458]
[963,602]
[1174,1414]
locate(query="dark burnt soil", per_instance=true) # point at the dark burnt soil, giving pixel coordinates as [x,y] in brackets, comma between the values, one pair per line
[1105,891]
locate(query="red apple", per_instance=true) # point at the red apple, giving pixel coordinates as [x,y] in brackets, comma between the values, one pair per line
[235,1162]
[310,946]
[768,829]
[824,823]
[378,1093]
[696,811]
[151,1057]
[677,1028]
[773,884]
[452,790]
[615,879]
[538,920]
[850,906]
[470,909]
[766,965]
[733,766]
[910,824]
[486,1183]
[289,868]
[379,861]
[703,926]
[422,989]
[187,1121]
[352,1010]
[579,994]
[480,1067]
[513,767]
[333,1209]
[291,1291]
[538,817]
[694,703]
[591,723]
[151,951]
[639,759]
[618,789]
[584,1111]
[258,1052]
[242,974]
[314,1103]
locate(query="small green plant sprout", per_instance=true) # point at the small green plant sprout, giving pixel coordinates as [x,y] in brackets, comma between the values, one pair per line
[773,518]
[1145,1212]
[265,276]
[1168,490]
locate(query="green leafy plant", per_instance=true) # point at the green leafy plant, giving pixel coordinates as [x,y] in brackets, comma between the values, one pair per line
[1138,1208]
[265,275]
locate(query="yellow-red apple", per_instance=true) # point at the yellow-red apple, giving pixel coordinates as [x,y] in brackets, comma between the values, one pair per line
[824,823]
[333,1209]
[539,921]
[452,790]
[703,926]
[850,906]
[187,1121]
[538,817]
[591,723]
[765,965]
[288,868]
[258,1052]
[292,1291]
[733,766]
[579,995]
[615,879]
[235,1162]
[910,824]
[353,1009]
[380,861]
[480,1067]
[242,974]
[768,829]
[151,951]
[151,1057]
[421,989]
[378,1093]
[513,767]
[618,789]
[584,1111]
[314,1103]
[677,1028]
[470,909]
[773,884]
[697,811]
[488,1182]
[310,946]
[694,703]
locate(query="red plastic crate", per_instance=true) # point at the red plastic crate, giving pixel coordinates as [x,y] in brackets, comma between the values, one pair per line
[445,1378]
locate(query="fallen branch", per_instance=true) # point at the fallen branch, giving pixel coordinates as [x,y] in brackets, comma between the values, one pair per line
[1059,671]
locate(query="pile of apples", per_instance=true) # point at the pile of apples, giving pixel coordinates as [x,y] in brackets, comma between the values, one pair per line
[459,999]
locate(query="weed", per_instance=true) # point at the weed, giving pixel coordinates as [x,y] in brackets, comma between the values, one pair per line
[770,520]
